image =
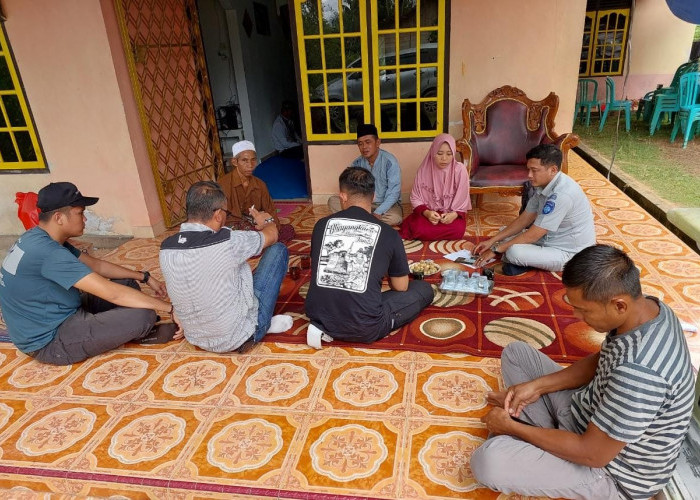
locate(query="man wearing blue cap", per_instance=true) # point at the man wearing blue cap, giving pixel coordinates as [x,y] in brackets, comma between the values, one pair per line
[62,306]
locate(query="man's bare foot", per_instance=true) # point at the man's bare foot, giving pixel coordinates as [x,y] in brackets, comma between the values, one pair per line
[496,398]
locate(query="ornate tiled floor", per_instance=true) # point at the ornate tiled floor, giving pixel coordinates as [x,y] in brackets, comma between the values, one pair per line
[285,421]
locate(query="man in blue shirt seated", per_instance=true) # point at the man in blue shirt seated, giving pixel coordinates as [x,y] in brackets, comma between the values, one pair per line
[610,425]
[61,305]
[386,205]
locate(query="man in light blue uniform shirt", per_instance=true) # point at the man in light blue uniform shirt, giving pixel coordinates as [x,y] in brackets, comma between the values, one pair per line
[556,224]
[384,166]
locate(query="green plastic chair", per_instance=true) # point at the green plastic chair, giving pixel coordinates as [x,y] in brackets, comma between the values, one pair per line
[611,104]
[663,103]
[587,99]
[689,112]
[665,100]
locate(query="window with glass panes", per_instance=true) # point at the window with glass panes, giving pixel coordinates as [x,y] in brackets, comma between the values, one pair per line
[19,144]
[604,37]
[378,61]
[587,43]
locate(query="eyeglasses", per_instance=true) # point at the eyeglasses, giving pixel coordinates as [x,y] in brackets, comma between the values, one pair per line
[231,215]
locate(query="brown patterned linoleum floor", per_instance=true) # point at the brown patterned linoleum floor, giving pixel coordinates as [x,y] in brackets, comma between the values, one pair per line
[286,421]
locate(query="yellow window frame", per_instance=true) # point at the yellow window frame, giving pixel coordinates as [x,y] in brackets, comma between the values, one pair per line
[17,91]
[376,32]
[302,38]
[590,32]
[597,30]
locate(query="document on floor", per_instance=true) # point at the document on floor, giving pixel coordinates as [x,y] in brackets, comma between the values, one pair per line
[465,257]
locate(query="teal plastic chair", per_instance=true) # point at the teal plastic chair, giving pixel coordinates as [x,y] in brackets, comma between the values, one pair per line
[663,103]
[611,104]
[689,113]
[586,99]
[666,99]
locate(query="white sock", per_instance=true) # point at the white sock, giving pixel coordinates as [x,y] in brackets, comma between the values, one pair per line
[280,323]
[313,336]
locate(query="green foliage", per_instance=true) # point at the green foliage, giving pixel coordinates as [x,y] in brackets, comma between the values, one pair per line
[332,47]
[696,38]
[663,167]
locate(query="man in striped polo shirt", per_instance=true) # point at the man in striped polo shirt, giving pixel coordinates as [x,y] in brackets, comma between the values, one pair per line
[608,426]
[221,304]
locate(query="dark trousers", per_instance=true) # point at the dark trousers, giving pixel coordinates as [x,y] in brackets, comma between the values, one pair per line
[398,309]
[97,326]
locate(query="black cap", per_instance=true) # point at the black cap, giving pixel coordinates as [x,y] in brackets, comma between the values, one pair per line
[62,194]
[364,129]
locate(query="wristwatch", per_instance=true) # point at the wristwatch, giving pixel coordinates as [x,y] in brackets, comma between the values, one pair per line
[146,277]
[494,248]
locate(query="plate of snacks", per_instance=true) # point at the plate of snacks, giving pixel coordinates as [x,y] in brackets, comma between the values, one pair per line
[427,267]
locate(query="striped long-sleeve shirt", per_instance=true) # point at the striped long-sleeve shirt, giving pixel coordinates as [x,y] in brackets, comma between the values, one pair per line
[642,394]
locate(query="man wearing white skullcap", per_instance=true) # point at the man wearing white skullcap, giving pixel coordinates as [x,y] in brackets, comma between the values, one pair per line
[242,189]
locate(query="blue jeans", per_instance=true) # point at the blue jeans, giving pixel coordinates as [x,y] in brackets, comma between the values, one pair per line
[267,279]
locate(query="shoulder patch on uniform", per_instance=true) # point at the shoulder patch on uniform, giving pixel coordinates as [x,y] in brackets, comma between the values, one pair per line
[548,207]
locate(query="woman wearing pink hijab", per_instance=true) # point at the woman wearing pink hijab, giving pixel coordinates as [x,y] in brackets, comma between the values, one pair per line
[440,196]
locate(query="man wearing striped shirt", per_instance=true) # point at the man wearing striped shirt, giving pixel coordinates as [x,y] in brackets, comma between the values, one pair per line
[221,304]
[608,426]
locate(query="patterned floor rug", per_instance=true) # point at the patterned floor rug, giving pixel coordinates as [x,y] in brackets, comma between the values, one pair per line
[529,307]
[286,421]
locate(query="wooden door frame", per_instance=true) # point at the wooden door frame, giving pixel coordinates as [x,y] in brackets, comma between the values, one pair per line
[204,87]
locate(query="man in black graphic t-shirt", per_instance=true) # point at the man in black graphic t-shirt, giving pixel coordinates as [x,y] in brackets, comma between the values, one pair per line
[351,252]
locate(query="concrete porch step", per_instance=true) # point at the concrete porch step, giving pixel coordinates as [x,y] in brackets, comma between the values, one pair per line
[687,220]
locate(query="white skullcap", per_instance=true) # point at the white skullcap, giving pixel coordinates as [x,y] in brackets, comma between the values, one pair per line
[241,146]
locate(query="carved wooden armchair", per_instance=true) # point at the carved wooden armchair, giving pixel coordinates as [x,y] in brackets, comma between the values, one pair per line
[499,131]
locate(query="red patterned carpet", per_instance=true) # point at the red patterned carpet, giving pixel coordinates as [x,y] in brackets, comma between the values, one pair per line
[395,421]
[529,307]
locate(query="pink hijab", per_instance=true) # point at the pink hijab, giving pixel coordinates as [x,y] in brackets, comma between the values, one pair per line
[441,189]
